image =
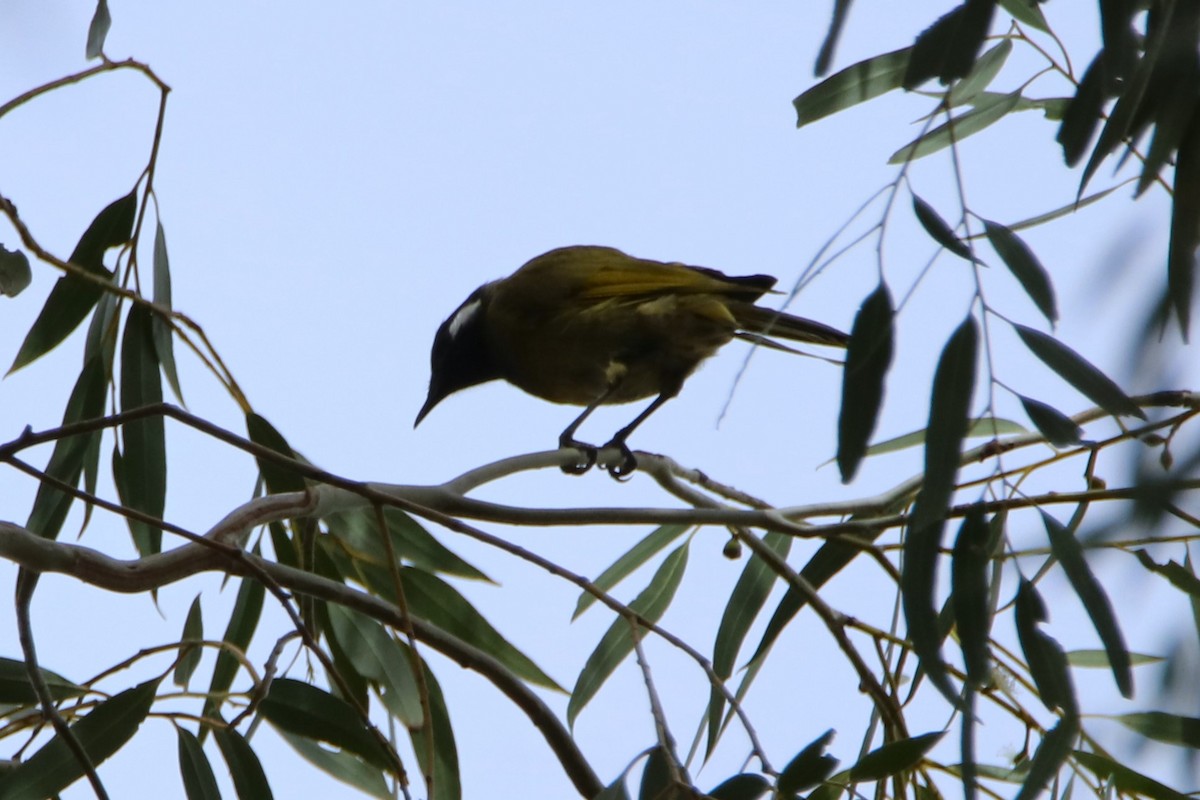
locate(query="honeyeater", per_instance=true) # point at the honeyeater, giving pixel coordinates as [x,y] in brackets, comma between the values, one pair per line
[591,326]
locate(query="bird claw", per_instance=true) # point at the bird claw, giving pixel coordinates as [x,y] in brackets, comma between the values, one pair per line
[621,470]
[587,451]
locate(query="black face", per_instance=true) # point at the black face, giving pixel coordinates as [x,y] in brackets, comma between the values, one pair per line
[460,356]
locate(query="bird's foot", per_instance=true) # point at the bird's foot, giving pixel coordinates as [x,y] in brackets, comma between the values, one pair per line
[622,469]
[587,453]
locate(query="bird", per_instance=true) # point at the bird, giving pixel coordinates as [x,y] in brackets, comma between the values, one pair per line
[588,325]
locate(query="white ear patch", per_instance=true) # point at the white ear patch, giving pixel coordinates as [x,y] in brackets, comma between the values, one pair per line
[463,316]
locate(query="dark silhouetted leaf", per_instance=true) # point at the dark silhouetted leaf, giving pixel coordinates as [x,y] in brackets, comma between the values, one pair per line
[1083,112]
[841,10]
[346,767]
[1179,576]
[987,111]
[104,731]
[279,479]
[249,780]
[947,49]
[1079,372]
[98,30]
[894,757]
[810,766]
[72,298]
[617,642]
[853,85]
[868,358]
[1027,11]
[1059,429]
[189,656]
[969,588]
[937,227]
[949,413]
[628,563]
[1050,756]
[199,782]
[746,786]
[15,274]
[656,777]
[1045,657]
[142,476]
[1025,266]
[1185,226]
[1067,550]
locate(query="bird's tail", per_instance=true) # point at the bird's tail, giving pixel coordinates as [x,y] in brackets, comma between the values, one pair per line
[765,322]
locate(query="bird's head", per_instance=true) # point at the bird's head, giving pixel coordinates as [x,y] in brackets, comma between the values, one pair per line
[460,357]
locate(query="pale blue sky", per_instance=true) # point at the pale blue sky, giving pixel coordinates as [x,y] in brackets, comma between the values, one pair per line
[334,180]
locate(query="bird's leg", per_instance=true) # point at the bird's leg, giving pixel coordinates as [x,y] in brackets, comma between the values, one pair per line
[628,462]
[567,439]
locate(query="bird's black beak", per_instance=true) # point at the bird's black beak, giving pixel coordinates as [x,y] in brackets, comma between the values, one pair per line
[436,395]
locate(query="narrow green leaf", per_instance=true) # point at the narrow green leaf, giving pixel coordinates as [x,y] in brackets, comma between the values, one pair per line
[894,757]
[953,386]
[305,710]
[969,588]
[656,776]
[447,781]
[249,780]
[1098,659]
[358,532]
[1059,429]
[982,74]
[199,782]
[189,656]
[66,463]
[745,786]
[617,642]
[1024,266]
[1163,727]
[1065,210]
[243,621]
[436,601]
[279,479]
[1125,780]
[634,558]
[985,113]
[1185,225]
[15,274]
[98,30]
[1027,11]
[142,481]
[377,656]
[1079,372]
[1045,657]
[344,766]
[939,229]
[164,345]
[853,85]
[102,732]
[981,427]
[72,298]
[809,767]
[868,358]
[15,688]
[1051,754]
[745,603]
[1069,552]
